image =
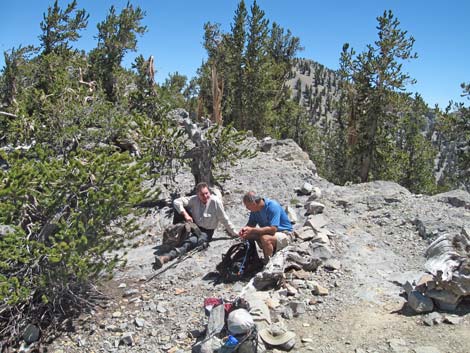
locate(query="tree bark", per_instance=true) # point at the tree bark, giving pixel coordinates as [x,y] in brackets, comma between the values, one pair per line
[217,88]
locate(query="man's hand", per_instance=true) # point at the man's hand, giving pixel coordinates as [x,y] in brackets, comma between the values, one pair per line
[244,232]
[187,217]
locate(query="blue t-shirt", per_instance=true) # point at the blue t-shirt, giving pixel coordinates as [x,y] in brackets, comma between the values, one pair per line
[272,214]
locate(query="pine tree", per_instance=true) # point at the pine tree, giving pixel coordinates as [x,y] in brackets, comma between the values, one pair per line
[416,171]
[116,36]
[453,128]
[60,27]
[13,75]
[256,65]
[252,65]
[215,44]
[373,75]
[235,86]
[144,98]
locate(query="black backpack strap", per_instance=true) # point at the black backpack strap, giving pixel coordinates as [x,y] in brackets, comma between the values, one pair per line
[252,337]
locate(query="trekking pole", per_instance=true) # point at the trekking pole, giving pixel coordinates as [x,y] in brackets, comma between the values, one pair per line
[177,261]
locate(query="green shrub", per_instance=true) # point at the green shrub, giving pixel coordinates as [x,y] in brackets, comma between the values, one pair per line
[69,216]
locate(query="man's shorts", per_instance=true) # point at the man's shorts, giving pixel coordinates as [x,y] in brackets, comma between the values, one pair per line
[282,240]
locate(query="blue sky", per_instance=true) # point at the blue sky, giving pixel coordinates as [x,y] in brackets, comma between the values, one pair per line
[175,32]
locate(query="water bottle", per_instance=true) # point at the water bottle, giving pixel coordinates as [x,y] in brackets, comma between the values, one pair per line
[229,346]
[231,341]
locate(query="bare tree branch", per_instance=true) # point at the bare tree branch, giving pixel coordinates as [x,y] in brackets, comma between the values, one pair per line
[8,114]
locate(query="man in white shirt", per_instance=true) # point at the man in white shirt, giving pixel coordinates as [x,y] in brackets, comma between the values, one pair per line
[206,211]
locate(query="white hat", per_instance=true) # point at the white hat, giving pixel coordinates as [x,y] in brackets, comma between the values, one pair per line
[239,322]
[277,338]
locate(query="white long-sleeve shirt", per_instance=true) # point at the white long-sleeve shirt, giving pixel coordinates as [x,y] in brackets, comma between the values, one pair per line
[206,215]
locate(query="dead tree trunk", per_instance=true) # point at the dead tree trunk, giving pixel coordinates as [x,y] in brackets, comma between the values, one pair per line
[448,260]
[200,154]
[217,89]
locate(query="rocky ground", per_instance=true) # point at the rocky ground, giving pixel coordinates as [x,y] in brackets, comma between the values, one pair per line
[378,232]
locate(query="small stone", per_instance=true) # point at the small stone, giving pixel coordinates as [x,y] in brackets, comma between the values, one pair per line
[292,215]
[408,287]
[433,318]
[287,313]
[266,144]
[107,346]
[165,339]
[291,291]
[315,193]
[161,308]
[31,334]
[122,285]
[426,281]
[298,308]
[112,328]
[445,306]
[305,233]
[420,303]
[139,322]
[312,301]
[444,297]
[117,314]
[332,265]
[321,238]
[127,339]
[182,335]
[81,342]
[316,221]
[314,207]
[320,290]
[151,306]
[301,274]
[452,319]
[130,292]
[298,283]
[306,189]
[179,291]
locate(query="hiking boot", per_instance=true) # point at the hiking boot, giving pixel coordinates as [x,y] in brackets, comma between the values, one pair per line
[160,261]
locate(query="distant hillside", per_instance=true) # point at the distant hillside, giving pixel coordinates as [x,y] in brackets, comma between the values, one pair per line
[315,87]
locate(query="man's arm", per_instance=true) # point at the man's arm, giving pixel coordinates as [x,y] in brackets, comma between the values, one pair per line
[179,204]
[222,217]
[248,232]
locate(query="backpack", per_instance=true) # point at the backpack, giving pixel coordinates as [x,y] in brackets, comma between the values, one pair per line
[222,320]
[175,234]
[240,262]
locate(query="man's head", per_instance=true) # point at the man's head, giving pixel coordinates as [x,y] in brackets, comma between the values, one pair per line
[202,190]
[253,202]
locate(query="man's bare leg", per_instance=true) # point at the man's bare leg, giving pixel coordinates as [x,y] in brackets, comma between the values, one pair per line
[268,244]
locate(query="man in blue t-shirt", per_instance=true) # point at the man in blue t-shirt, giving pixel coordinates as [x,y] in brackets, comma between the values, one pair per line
[274,230]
